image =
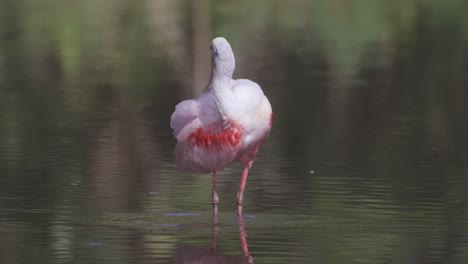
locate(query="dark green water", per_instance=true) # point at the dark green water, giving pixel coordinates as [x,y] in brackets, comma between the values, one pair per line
[367,161]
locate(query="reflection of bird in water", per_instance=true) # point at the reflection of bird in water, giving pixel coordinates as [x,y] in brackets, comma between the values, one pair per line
[187,254]
[229,122]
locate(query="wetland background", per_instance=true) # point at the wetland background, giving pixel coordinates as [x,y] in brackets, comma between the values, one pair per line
[367,161]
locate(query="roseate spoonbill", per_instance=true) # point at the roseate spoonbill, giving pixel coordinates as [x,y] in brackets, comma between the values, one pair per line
[229,122]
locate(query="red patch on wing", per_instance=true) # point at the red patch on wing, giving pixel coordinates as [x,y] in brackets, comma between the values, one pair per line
[212,138]
[271,119]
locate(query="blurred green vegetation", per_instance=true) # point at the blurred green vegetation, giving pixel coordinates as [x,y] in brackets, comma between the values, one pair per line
[371,93]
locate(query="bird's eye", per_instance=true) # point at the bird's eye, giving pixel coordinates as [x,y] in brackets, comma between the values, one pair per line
[213,51]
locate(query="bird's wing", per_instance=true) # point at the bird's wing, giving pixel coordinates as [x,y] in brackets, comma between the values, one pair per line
[184,114]
[205,142]
[189,115]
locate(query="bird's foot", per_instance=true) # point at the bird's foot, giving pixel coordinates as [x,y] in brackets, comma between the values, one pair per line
[215,201]
[240,202]
[215,211]
[240,198]
[239,210]
[215,198]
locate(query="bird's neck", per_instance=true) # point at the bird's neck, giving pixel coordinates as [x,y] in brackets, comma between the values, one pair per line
[220,79]
[221,86]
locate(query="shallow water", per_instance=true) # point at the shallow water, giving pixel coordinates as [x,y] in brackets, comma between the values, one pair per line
[367,161]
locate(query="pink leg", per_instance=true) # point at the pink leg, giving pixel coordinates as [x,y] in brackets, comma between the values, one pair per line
[240,193]
[214,233]
[243,235]
[215,198]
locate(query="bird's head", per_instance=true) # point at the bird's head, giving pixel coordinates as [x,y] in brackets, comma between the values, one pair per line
[223,57]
